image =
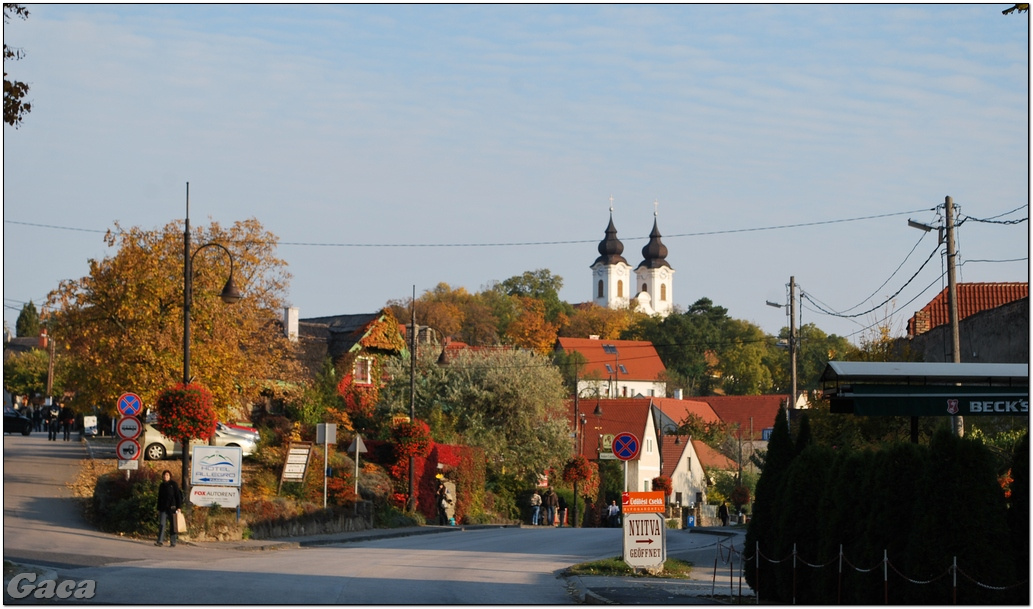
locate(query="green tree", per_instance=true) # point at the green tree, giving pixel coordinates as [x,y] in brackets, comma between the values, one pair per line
[768,505]
[122,325]
[511,403]
[541,285]
[28,323]
[15,106]
[815,350]
[26,373]
[741,359]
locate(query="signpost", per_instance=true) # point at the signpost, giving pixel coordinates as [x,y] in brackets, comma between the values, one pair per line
[357,447]
[129,405]
[128,450]
[625,448]
[297,462]
[215,465]
[326,434]
[129,428]
[645,540]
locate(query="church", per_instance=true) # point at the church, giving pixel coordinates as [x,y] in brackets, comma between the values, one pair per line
[611,275]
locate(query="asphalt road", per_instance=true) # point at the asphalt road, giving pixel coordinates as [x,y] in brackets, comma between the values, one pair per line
[466,565]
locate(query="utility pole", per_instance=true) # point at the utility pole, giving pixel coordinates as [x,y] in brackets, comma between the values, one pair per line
[412,399]
[792,341]
[952,303]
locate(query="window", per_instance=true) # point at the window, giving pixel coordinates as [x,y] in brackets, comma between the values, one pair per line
[646,485]
[363,371]
[599,289]
[620,289]
[609,368]
[611,349]
[645,288]
[623,369]
[663,291]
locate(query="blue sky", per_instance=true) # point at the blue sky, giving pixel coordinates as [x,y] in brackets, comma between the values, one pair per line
[761,132]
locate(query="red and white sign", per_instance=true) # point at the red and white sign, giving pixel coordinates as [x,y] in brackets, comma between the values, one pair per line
[646,502]
[128,450]
[129,428]
[645,540]
[207,496]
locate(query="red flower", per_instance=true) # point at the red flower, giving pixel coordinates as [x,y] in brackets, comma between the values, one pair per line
[186,411]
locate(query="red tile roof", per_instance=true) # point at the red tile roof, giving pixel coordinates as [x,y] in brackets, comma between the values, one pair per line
[756,411]
[679,410]
[673,449]
[972,298]
[710,458]
[639,358]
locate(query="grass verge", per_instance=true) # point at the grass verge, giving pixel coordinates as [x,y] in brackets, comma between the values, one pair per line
[673,569]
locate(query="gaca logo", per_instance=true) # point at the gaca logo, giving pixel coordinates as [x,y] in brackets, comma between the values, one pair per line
[24,584]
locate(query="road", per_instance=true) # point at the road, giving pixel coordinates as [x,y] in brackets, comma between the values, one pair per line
[491,565]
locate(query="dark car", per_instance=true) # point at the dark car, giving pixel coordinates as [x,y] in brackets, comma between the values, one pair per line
[15,422]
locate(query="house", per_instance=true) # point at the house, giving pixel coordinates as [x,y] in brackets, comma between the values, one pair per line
[352,342]
[993,325]
[677,457]
[617,368]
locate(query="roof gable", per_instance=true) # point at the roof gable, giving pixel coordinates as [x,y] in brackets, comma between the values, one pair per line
[678,410]
[712,459]
[628,360]
[619,415]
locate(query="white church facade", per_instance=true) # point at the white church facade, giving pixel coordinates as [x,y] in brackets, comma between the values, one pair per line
[651,289]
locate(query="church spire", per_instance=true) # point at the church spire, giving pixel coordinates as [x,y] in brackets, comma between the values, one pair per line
[611,248]
[655,252]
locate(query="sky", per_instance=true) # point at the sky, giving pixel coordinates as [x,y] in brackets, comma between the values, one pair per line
[393,147]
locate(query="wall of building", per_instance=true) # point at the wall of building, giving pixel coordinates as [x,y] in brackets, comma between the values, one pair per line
[999,335]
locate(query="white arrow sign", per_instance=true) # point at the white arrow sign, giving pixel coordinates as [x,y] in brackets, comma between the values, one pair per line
[645,540]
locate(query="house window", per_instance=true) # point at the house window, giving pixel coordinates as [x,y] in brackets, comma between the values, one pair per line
[363,371]
[620,289]
[645,288]
[647,485]
[599,289]
[609,368]
[663,291]
[622,368]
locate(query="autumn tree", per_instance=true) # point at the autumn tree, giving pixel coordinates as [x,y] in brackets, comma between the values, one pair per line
[530,329]
[15,106]
[121,326]
[593,320]
[541,285]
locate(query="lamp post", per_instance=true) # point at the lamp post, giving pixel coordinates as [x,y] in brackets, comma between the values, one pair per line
[229,295]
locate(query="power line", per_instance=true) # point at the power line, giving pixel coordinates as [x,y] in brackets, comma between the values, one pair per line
[522,243]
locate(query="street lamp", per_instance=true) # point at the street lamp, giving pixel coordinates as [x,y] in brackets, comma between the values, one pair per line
[229,295]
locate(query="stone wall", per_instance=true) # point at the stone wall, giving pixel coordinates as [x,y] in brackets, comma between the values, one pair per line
[1000,335]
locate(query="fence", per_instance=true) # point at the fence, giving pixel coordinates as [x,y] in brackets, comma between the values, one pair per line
[953,571]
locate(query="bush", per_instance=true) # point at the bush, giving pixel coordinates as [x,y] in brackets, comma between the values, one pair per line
[127,506]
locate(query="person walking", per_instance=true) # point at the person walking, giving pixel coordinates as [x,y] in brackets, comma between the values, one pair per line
[722,513]
[613,514]
[536,507]
[67,421]
[52,423]
[170,500]
[552,501]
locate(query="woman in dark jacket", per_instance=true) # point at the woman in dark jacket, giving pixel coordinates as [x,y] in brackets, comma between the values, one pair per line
[170,500]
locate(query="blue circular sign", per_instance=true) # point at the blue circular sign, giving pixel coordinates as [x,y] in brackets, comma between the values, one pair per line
[129,405]
[625,446]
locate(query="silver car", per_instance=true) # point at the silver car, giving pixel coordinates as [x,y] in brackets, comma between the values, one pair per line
[157,446]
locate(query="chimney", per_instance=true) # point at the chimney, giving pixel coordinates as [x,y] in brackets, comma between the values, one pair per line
[593,337]
[290,323]
[677,394]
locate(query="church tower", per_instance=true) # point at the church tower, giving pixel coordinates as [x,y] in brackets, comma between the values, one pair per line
[654,276]
[611,273]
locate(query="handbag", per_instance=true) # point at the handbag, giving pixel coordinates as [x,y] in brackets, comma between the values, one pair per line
[180,523]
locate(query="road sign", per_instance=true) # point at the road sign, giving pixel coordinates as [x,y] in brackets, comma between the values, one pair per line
[644,502]
[625,446]
[128,450]
[206,496]
[645,540]
[215,465]
[129,405]
[129,428]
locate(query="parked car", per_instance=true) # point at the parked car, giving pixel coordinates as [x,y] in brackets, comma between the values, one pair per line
[157,446]
[231,429]
[16,422]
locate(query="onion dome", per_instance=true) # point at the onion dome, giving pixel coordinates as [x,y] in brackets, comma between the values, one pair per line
[610,248]
[655,252]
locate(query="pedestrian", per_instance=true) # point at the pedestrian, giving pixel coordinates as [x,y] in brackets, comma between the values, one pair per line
[536,507]
[67,420]
[37,418]
[53,423]
[552,501]
[444,501]
[722,513]
[170,500]
[563,510]
[613,514]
